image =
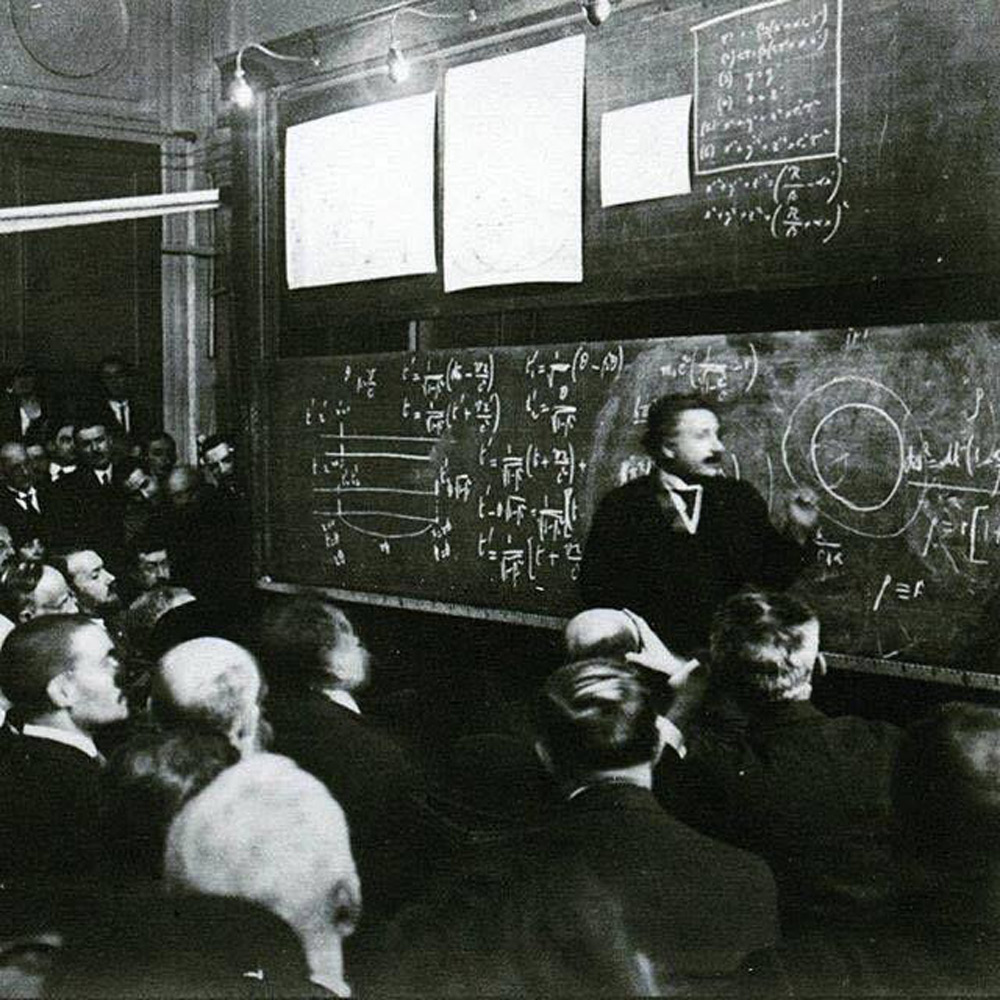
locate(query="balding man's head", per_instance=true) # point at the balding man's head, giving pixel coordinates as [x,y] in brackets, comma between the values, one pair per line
[600,632]
[211,684]
[269,833]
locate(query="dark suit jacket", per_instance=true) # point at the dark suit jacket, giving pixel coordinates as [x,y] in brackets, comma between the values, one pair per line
[368,774]
[635,559]
[694,905]
[26,523]
[141,424]
[88,513]
[807,792]
[50,800]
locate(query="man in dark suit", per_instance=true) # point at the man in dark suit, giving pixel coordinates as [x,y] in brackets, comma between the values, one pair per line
[676,543]
[89,504]
[315,664]
[125,419]
[60,673]
[769,772]
[694,906]
[26,505]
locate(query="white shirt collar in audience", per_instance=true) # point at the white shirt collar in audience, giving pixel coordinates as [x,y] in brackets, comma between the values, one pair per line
[343,698]
[78,740]
[57,471]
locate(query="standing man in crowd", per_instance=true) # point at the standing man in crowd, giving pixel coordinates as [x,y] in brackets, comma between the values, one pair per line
[676,543]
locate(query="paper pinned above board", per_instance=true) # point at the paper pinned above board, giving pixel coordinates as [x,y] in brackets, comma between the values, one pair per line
[512,175]
[645,151]
[359,194]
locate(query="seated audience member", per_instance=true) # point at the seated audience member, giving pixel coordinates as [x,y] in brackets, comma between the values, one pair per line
[30,589]
[218,459]
[266,832]
[147,563]
[146,610]
[600,632]
[27,406]
[95,588]
[696,907]
[146,783]
[60,673]
[159,454]
[769,772]
[123,416]
[211,685]
[89,504]
[315,664]
[61,449]
[144,499]
[26,503]
[525,927]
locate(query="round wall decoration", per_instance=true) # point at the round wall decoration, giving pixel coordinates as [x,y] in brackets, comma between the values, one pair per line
[73,38]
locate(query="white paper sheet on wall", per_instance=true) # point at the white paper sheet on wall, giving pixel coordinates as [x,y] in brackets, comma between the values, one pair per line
[513,149]
[645,151]
[359,194]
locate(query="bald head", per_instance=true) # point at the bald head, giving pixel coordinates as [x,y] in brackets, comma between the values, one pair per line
[600,632]
[211,684]
[267,832]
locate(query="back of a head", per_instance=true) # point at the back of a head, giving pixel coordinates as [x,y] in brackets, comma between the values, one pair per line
[595,715]
[754,641]
[32,655]
[295,640]
[210,684]
[946,786]
[266,832]
[17,585]
[600,632]
[148,608]
[146,783]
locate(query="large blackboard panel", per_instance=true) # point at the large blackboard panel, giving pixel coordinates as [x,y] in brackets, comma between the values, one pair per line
[910,195]
[470,477]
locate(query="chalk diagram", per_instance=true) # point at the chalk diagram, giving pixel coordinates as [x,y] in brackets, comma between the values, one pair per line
[398,507]
[848,439]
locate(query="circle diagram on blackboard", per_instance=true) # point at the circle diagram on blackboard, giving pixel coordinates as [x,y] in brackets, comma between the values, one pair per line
[848,439]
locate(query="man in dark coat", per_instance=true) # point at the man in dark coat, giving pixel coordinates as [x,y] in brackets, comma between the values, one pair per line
[26,505]
[676,543]
[696,907]
[60,673]
[769,772]
[89,504]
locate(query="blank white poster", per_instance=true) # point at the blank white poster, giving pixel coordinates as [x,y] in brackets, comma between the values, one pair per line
[359,194]
[513,150]
[645,151]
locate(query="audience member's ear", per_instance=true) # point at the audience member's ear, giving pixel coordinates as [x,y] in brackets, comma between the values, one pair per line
[60,690]
[820,667]
[345,905]
[25,615]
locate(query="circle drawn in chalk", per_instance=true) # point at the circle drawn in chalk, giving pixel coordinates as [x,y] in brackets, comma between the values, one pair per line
[844,457]
[848,440]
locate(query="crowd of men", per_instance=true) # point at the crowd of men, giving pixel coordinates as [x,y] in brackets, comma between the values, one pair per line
[185,815]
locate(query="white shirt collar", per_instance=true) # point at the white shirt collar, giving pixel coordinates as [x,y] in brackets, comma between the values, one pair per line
[78,740]
[343,698]
[671,482]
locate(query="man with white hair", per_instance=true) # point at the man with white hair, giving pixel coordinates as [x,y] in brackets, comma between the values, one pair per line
[211,684]
[266,832]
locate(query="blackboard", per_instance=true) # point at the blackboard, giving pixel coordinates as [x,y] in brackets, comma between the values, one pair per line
[469,477]
[848,143]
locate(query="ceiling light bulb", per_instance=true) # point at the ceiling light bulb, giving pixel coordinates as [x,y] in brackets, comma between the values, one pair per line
[241,93]
[397,64]
[597,11]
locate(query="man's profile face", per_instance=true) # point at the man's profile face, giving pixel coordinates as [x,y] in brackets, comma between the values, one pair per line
[141,487]
[806,656]
[93,447]
[97,698]
[94,585]
[694,445]
[52,596]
